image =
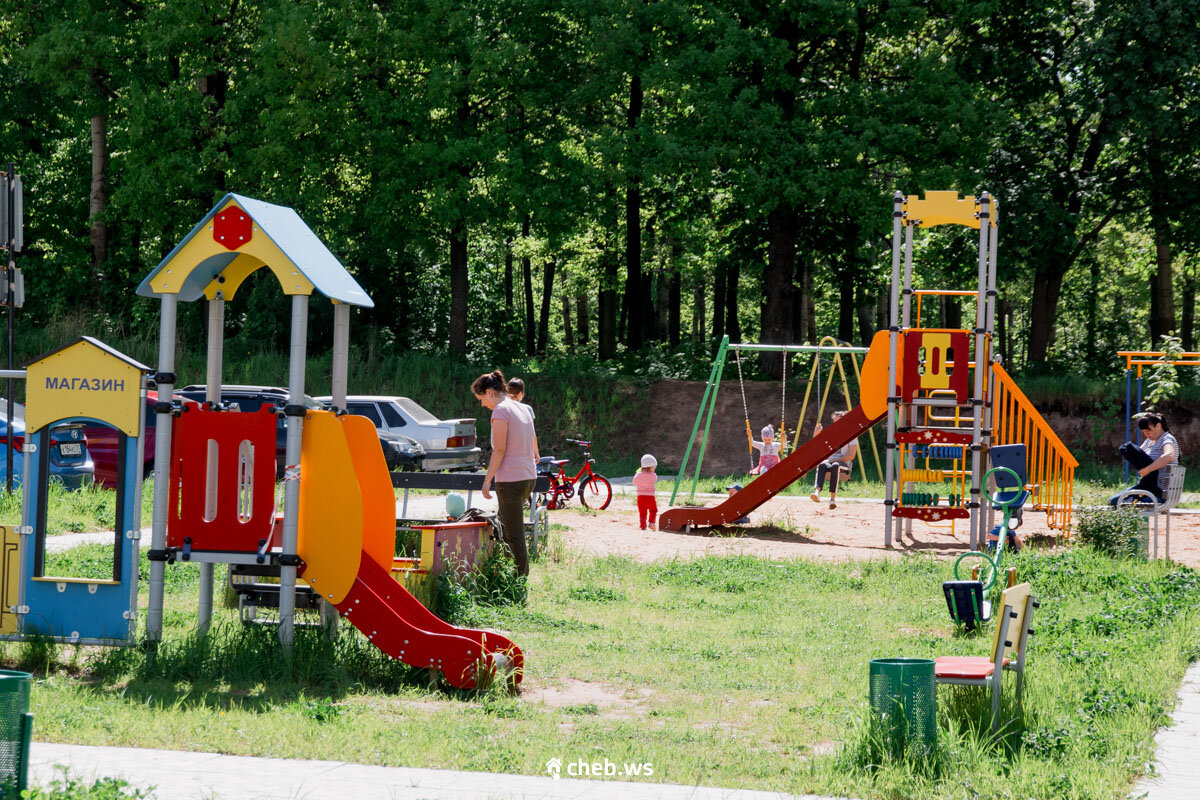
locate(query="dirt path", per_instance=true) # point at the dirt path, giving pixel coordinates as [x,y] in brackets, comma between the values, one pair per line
[791,527]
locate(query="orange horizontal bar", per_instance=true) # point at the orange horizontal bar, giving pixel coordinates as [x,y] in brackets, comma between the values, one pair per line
[947,292]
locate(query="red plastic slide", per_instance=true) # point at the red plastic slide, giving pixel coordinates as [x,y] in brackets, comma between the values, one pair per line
[396,622]
[774,480]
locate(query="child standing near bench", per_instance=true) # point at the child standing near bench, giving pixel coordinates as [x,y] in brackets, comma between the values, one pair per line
[644,482]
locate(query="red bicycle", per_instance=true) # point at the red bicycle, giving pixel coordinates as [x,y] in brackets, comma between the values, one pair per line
[593,489]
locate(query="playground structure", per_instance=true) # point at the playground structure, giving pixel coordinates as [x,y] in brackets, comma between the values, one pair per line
[215,493]
[827,345]
[83,381]
[943,392]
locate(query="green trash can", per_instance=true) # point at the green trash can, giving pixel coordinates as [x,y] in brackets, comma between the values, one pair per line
[16,728]
[904,703]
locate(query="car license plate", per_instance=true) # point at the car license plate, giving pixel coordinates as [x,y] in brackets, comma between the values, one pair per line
[70,449]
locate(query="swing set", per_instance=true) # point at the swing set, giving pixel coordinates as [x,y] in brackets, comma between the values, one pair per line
[828,351]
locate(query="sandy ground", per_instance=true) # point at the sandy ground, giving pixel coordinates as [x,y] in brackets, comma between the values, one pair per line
[797,527]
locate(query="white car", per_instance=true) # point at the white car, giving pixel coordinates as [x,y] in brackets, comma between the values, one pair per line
[448,443]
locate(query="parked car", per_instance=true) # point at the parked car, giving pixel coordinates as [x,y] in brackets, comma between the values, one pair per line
[448,443]
[70,462]
[400,452]
[102,444]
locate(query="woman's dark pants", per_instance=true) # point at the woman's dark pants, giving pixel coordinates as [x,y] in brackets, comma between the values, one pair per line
[511,497]
[1139,459]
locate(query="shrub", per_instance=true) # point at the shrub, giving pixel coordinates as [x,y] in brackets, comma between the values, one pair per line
[492,582]
[1116,532]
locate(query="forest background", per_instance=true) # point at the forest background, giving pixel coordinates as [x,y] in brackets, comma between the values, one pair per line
[619,181]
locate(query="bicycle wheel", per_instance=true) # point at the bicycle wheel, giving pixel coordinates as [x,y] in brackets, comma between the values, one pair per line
[597,494]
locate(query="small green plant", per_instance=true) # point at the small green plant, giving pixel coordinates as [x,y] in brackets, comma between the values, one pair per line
[1117,532]
[1164,376]
[67,788]
[321,710]
[492,582]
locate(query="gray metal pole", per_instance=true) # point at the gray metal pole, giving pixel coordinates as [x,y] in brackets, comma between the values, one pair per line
[893,349]
[341,354]
[338,391]
[291,488]
[212,393]
[10,273]
[162,465]
[981,338]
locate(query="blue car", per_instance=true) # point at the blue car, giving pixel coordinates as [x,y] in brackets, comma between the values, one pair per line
[70,463]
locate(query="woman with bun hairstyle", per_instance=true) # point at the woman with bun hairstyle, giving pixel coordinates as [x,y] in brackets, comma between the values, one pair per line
[511,468]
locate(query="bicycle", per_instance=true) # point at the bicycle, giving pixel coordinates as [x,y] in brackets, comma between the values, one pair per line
[594,490]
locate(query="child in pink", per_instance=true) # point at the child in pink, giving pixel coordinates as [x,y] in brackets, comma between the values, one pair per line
[644,482]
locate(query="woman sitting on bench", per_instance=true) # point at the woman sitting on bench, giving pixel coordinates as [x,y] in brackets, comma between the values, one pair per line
[1153,459]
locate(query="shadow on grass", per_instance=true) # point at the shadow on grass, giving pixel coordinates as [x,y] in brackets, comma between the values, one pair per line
[237,666]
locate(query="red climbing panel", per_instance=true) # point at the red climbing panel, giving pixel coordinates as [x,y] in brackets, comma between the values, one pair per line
[936,359]
[245,476]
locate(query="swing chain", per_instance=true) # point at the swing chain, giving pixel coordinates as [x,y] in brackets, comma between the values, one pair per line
[745,407]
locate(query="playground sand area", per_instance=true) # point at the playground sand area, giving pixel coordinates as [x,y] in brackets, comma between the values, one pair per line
[796,527]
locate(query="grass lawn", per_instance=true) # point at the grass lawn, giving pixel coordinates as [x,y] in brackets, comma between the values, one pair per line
[719,671]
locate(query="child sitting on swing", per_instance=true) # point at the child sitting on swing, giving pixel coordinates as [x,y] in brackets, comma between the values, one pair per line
[769,451]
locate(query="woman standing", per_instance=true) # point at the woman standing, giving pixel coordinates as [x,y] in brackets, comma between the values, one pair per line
[511,468]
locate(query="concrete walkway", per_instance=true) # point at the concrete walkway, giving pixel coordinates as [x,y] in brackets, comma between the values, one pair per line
[210,776]
[1177,758]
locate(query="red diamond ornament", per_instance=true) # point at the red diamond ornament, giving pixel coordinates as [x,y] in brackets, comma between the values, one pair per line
[232,228]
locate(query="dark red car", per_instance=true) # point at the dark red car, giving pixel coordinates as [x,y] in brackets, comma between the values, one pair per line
[102,444]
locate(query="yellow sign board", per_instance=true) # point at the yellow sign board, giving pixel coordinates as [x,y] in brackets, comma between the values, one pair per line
[84,379]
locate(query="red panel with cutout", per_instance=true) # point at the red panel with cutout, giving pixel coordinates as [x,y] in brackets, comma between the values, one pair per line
[245,496]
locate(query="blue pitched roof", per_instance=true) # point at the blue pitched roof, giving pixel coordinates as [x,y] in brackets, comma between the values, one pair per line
[283,226]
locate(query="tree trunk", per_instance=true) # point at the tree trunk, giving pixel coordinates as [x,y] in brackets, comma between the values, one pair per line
[776,315]
[719,284]
[508,279]
[865,311]
[699,312]
[1187,313]
[568,333]
[581,317]
[98,231]
[800,298]
[633,229]
[547,296]
[733,326]
[1002,331]
[527,276]
[606,307]
[643,306]
[1162,284]
[1047,286]
[459,289]
[673,302]
[847,279]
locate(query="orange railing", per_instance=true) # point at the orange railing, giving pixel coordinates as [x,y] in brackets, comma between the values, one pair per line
[1050,465]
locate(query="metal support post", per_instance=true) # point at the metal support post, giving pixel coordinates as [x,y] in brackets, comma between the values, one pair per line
[338,391]
[212,393]
[893,350]
[709,388]
[1128,412]
[977,490]
[291,486]
[10,273]
[162,464]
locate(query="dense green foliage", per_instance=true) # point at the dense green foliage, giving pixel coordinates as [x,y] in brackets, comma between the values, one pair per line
[510,178]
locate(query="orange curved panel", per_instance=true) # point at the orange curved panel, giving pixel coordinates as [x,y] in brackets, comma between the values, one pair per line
[873,383]
[331,508]
[375,486]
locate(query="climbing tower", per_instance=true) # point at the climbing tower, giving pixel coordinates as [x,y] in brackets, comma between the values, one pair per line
[950,396]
